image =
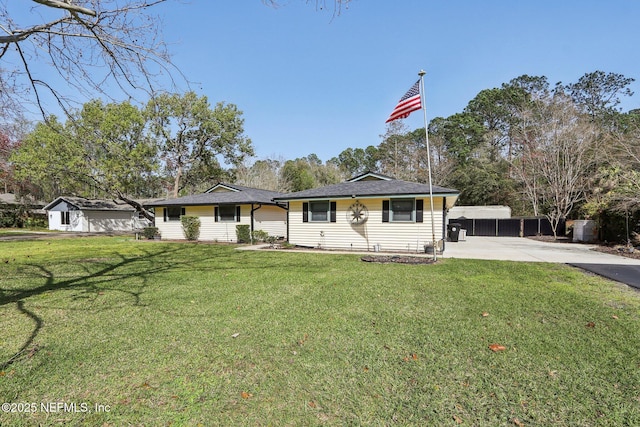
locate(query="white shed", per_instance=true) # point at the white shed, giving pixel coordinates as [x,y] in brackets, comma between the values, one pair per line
[93,215]
[480,212]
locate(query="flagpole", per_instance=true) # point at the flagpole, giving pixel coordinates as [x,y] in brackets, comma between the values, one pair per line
[426,134]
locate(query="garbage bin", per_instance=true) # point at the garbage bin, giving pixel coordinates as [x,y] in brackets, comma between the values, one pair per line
[453,229]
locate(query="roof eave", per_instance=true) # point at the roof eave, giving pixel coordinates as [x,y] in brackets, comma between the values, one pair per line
[368,196]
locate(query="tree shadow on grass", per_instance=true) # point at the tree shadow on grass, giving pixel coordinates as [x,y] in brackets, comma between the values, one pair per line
[98,275]
[88,280]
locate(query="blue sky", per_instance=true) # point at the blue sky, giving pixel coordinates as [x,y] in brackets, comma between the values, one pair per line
[308,83]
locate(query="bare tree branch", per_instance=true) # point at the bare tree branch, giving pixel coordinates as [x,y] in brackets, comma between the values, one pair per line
[95,46]
[67,6]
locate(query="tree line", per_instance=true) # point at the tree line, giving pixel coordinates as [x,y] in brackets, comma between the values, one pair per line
[563,151]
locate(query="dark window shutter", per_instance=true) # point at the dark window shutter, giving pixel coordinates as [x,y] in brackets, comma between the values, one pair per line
[305,212]
[419,210]
[164,211]
[333,212]
[216,213]
[237,213]
[385,211]
[183,211]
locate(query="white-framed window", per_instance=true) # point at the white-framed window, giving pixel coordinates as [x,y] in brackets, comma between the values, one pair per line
[64,218]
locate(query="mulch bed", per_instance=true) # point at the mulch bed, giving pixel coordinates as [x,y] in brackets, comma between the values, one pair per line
[400,259]
[619,250]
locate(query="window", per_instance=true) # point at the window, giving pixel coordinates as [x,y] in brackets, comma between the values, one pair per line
[227,213]
[64,218]
[402,210]
[172,213]
[319,211]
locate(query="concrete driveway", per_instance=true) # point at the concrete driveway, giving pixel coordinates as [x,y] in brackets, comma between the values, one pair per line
[618,268]
[522,249]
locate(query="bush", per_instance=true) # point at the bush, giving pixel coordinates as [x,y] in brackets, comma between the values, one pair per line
[190,226]
[260,236]
[150,232]
[242,233]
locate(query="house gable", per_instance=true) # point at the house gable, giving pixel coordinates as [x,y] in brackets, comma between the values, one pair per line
[370,176]
[221,188]
[61,205]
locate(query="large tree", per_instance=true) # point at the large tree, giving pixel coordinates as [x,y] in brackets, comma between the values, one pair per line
[354,161]
[194,138]
[103,150]
[598,93]
[263,174]
[557,153]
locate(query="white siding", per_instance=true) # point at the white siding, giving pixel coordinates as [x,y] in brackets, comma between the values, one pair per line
[77,221]
[171,230]
[55,220]
[104,221]
[210,230]
[391,236]
[271,219]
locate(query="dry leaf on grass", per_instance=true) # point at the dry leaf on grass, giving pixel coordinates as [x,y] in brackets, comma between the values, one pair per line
[497,347]
[246,395]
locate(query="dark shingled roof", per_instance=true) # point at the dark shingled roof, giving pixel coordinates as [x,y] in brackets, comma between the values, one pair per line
[244,195]
[368,188]
[94,204]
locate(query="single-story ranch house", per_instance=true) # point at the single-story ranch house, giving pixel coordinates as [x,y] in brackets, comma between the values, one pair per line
[220,209]
[93,215]
[369,212]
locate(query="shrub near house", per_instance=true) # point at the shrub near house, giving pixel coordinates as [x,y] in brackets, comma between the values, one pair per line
[220,209]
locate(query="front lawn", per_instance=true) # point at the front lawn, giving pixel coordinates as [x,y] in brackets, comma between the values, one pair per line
[111,332]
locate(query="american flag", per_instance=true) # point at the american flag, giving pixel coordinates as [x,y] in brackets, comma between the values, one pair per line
[409,103]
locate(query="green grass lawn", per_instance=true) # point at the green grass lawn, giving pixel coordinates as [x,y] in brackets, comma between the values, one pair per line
[197,334]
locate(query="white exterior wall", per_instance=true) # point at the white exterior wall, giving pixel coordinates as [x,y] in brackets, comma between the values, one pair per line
[210,230]
[94,221]
[103,221]
[271,219]
[77,221]
[480,212]
[391,236]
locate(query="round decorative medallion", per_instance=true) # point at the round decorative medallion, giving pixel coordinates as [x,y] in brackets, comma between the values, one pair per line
[357,213]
